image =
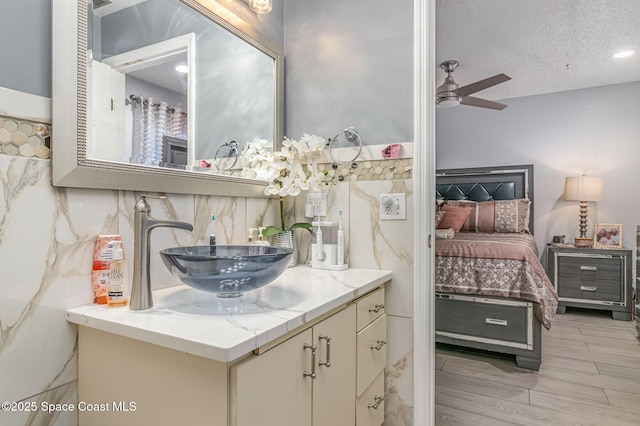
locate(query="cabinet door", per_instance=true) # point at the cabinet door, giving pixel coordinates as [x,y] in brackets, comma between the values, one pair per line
[270,389]
[334,386]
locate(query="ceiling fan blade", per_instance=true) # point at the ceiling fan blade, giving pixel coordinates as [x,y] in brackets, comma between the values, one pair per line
[472,88]
[483,103]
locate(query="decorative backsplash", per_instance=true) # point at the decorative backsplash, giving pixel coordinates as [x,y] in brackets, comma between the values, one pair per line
[28,139]
[392,169]
[24,138]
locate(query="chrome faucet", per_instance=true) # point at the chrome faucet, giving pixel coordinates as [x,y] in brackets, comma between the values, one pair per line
[143,224]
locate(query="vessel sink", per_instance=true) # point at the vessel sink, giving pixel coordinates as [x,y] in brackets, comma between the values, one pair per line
[228,271]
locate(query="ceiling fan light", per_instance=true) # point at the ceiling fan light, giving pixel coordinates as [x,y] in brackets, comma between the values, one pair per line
[260,6]
[448,102]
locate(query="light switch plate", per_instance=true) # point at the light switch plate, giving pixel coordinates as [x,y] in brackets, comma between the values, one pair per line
[393,206]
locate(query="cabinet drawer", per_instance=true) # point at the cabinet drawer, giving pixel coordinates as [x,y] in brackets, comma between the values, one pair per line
[371,353]
[590,289]
[370,405]
[590,268]
[504,322]
[369,308]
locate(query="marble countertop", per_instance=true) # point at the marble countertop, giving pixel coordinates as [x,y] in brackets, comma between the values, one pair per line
[203,324]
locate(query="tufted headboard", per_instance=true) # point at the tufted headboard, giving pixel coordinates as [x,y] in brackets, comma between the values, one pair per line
[486,183]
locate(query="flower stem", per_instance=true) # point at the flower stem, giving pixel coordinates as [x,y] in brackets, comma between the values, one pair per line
[282,214]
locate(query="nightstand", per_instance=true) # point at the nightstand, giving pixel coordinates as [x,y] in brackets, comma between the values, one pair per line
[592,278]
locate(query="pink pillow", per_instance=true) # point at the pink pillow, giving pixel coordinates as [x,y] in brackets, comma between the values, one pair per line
[454,217]
[504,216]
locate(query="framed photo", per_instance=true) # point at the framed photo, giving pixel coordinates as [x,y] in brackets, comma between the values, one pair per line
[608,235]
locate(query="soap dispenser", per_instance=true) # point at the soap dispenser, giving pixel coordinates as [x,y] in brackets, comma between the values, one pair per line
[261,241]
[250,236]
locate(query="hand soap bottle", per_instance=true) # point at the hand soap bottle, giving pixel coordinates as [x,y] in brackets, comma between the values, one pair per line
[261,241]
[117,287]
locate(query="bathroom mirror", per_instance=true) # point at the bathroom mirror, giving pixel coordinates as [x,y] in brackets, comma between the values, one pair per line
[125,118]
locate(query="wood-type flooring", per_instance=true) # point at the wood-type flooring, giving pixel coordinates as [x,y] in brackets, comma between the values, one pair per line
[590,375]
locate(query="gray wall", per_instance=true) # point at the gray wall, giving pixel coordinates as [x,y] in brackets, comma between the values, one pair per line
[350,63]
[344,67]
[25,46]
[593,131]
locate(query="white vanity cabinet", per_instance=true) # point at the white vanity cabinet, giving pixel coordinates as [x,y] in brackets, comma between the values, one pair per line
[277,387]
[123,381]
[371,343]
[307,380]
[163,366]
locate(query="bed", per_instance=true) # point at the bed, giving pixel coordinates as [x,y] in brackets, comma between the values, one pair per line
[492,293]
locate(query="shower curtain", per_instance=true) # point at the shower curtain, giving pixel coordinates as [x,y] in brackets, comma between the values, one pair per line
[151,122]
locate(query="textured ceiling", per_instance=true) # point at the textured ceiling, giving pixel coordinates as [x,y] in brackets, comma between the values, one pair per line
[543,45]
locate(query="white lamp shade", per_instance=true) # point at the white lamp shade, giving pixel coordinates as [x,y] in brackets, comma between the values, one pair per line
[583,188]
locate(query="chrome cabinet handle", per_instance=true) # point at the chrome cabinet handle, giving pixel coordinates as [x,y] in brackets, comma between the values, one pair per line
[588,268]
[377,308]
[495,321]
[380,344]
[326,363]
[378,400]
[313,348]
[585,288]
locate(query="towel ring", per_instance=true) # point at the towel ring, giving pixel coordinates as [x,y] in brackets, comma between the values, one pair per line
[352,135]
[232,146]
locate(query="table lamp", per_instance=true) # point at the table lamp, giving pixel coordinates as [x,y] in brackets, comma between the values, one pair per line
[583,189]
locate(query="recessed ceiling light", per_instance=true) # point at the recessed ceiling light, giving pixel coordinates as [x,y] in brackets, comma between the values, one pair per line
[182,68]
[623,54]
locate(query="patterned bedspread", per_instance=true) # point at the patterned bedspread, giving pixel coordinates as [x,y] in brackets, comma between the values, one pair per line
[493,264]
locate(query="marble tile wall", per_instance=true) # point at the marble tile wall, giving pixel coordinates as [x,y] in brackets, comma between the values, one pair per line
[47,237]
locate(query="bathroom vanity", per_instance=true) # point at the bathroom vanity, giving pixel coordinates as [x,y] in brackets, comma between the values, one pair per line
[310,348]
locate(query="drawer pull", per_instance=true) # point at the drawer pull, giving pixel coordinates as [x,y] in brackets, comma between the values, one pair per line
[377,308]
[588,268]
[313,348]
[378,400]
[585,288]
[494,321]
[326,363]
[379,345]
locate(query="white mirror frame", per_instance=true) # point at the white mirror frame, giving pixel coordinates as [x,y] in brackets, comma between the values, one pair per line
[70,166]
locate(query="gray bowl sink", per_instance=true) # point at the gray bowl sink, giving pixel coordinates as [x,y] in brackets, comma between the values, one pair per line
[227,271]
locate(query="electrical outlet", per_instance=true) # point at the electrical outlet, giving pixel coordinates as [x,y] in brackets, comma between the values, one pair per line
[316,204]
[393,207]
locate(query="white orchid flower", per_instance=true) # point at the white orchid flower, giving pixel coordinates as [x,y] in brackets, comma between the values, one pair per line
[313,142]
[285,170]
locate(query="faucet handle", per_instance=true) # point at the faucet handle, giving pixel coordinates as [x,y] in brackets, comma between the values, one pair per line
[143,206]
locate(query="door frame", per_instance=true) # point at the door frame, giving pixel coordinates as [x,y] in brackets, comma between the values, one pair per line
[424,199]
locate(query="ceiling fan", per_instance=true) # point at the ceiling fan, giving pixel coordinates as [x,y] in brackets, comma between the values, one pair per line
[451,94]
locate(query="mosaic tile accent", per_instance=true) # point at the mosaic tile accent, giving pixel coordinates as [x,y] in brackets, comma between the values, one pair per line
[24,138]
[393,169]
[28,139]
